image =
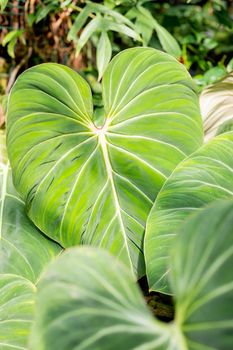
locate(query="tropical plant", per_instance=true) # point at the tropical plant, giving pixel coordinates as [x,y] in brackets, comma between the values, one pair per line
[197,181]
[92,178]
[24,252]
[94,23]
[88,300]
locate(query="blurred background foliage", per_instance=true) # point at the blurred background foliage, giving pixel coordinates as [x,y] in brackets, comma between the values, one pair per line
[85,35]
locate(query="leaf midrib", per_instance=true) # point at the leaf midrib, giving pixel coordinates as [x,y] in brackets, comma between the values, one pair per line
[103,144]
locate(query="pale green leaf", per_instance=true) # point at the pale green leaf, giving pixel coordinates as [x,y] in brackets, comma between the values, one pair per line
[167,41]
[99,8]
[44,11]
[11,47]
[123,29]
[202,178]
[103,53]
[216,102]
[3,4]
[85,184]
[79,23]
[93,26]
[12,35]
[144,26]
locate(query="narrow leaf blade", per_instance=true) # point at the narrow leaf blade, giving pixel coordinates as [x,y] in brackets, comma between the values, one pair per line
[103,53]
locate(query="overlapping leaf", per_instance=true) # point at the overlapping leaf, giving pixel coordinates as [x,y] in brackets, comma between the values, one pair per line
[201,271]
[24,252]
[216,102]
[96,185]
[204,177]
[88,301]
[96,306]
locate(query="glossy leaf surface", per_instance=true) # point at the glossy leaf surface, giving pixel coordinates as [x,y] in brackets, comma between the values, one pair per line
[24,252]
[88,301]
[205,176]
[95,184]
[201,271]
[97,305]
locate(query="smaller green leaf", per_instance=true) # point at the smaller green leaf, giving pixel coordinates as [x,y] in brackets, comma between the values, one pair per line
[99,8]
[11,39]
[132,13]
[168,42]
[103,54]
[3,4]
[43,12]
[11,36]
[31,17]
[65,3]
[123,29]
[144,27]
[93,26]
[79,23]
[11,47]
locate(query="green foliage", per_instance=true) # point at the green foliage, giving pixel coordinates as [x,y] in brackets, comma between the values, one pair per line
[10,41]
[3,4]
[197,33]
[90,176]
[101,22]
[24,252]
[106,20]
[146,24]
[101,179]
[87,300]
[197,181]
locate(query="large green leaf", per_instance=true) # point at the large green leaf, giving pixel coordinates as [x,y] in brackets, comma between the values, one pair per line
[95,184]
[24,252]
[204,177]
[87,300]
[201,271]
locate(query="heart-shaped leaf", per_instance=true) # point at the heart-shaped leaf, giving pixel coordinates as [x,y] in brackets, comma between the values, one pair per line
[88,300]
[94,184]
[24,252]
[201,179]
